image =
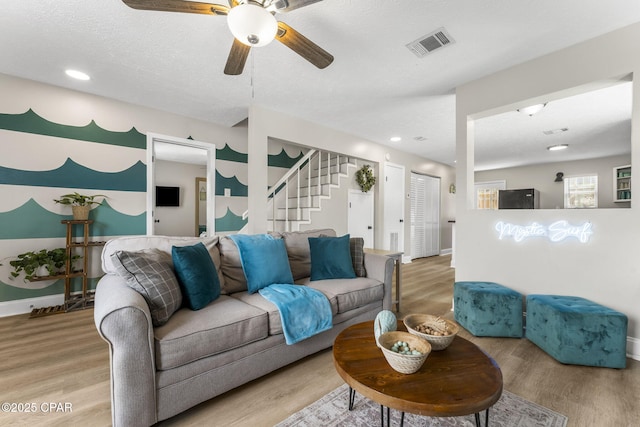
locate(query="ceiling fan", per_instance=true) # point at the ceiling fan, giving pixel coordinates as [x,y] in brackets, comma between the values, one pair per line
[252,24]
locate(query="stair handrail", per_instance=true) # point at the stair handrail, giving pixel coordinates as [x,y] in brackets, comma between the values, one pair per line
[294,169]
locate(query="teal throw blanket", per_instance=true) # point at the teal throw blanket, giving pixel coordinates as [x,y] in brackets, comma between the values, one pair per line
[304,311]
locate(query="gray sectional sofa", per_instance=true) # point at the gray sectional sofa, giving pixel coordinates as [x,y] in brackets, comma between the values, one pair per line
[160,371]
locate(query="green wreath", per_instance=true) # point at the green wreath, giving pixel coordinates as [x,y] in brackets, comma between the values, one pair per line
[365,178]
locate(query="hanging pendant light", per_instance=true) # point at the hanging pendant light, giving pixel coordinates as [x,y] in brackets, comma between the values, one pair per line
[252,25]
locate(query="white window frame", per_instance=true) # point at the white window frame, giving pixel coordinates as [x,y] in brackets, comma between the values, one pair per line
[567,191]
[491,186]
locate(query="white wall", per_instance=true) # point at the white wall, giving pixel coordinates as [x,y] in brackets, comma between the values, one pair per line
[264,123]
[542,178]
[178,220]
[606,269]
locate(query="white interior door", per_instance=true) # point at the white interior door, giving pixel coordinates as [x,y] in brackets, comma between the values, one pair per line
[393,236]
[360,218]
[425,215]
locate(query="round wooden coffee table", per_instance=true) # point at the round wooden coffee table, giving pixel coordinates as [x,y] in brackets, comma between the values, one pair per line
[460,380]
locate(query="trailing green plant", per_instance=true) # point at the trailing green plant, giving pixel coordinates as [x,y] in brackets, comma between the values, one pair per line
[29,262]
[77,199]
[365,178]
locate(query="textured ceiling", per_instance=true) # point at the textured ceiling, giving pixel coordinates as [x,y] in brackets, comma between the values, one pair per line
[376,88]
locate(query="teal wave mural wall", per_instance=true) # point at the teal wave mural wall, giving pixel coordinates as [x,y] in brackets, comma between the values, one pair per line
[74,175]
[237,188]
[32,221]
[230,222]
[31,122]
[10,293]
[283,160]
[228,153]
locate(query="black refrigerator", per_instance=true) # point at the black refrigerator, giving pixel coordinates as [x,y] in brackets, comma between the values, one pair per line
[526,198]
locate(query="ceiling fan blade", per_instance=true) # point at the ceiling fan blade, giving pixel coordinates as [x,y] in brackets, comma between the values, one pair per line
[237,58]
[303,46]
[178,6]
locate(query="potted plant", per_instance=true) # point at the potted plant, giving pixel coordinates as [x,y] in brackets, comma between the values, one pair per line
[46,262]
[80,204]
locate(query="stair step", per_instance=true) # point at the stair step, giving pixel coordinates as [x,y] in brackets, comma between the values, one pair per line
[292,213]
[304,201]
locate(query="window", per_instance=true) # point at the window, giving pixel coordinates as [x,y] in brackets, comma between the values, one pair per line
[487,194]
[581,191]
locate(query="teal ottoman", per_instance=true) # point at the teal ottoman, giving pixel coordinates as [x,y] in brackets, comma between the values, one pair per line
[577,331]
[487,309]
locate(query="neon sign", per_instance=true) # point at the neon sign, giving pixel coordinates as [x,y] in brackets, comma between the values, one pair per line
[556,232]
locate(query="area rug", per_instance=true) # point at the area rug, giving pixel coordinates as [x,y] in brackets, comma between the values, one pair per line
[332,410]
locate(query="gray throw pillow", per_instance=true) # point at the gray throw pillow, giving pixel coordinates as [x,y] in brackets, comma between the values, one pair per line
[150,274]
[356,246]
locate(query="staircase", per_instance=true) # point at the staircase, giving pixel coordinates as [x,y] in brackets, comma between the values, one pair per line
[292,201]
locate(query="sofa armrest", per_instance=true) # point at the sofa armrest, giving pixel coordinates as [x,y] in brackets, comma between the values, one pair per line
[380,267]
[123,320]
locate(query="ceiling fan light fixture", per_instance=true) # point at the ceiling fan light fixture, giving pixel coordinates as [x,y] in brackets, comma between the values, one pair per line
[252,25]
[532,109]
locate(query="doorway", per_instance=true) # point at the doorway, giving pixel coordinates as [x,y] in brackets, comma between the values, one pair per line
[425,215]
[360,217]
[393,237]
[180,151]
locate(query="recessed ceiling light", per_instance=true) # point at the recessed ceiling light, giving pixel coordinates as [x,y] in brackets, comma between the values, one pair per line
[557,147]
[79,75]
[395,139]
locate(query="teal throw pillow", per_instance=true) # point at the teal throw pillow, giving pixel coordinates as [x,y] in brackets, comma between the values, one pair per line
[331,258]
[264,260]
[196,275]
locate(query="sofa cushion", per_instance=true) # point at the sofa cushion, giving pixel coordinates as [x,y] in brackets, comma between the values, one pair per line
[163,243]
[149,272]
[349,293]
[224,324]
[331,258]
[264,260]
[231,266]
[297,244]
[196,275]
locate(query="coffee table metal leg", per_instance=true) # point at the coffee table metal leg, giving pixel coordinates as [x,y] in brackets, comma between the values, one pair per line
[486,418]
[402,419]
[382,416]
[352,397]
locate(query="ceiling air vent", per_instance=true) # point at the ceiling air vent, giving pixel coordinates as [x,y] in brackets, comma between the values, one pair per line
[431,42]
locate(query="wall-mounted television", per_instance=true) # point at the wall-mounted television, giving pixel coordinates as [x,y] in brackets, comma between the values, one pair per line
[167,196]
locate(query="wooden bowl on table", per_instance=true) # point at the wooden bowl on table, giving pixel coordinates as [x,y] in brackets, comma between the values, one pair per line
[441,331]
[404,363]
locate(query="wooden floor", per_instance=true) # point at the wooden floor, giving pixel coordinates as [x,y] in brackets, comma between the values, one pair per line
[61,360]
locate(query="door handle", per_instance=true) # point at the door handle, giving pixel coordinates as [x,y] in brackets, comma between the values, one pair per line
[402,220]
[369,227]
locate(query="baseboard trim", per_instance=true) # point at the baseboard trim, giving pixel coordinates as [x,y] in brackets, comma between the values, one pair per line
[633,348]
[446,251]
[22,306]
